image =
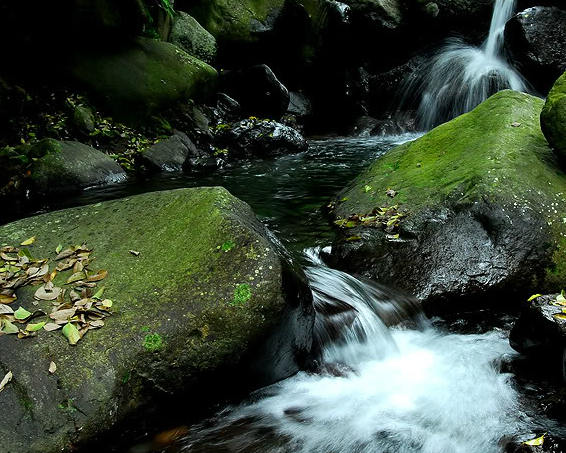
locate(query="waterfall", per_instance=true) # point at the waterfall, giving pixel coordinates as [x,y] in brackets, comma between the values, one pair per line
[378,389]
[461,76]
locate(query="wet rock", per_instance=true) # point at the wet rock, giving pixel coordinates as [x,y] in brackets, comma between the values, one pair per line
[539,332]
[536,38]
[478,217]
[227,109]
[83,119]
[142,77]
[258,91]
[188,34]
[299,105]
[254,137]
[167,155]
[68,167]
[553,117]
[210,297]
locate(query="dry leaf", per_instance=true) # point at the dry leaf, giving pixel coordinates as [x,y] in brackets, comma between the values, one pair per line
[6,379]
[76,277]
[62,316]
[100,275]
[4,299]
[133,252]
[50,326]
[52,367]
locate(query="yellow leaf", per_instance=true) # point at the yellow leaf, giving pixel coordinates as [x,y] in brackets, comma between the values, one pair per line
[535,442]
[533,297]
[560,315]
[29,241]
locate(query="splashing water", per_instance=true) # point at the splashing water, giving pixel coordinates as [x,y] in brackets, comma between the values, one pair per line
[381,389]
[462,76]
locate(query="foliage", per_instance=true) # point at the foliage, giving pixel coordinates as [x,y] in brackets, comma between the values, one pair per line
[152,342]
[242,294]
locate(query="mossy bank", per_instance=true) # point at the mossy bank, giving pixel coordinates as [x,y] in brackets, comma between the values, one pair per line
[482,205]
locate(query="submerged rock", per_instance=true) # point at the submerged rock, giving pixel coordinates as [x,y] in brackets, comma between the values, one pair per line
[142,77]
[553,117]
[210,306]
[68,167]
[464,216]
[536,38]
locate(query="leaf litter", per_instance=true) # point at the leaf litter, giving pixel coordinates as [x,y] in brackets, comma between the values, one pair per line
[83,309]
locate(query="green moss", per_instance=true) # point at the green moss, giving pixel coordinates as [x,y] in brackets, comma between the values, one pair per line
[553,116]
[228,245]
[152,342]
[242,294]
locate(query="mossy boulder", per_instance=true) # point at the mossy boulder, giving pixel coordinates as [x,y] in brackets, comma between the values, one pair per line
[211,306]
[471,214]
[190,36]
[67,166]
[553,117]
[141,77]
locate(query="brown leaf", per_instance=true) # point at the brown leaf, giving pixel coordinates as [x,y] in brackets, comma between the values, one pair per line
[96,324]
[78,267]
[62,316]
[65,253]
[4,299]
[76,277]
[100,275]
[7,257]
[43,294]
[51,326]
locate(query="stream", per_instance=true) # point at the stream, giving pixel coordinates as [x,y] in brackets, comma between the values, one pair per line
[390,380]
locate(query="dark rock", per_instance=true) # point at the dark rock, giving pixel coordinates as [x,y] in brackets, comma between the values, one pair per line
[167,155]
[83,119]
[69,167]
[538,332]
[199,158]
[258,91]
[253,137]
[142,77]
[536,38]
[553,118]
[188,34]
[299,105]
[209,297]
[483,214]
[227,109]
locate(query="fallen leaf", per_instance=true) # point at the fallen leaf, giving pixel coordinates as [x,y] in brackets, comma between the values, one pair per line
[58,249]
[560,298]
[5,310]
[76,277]
[107,303]
[6,380]
[96,323]
[7,327]
[100,275]
[133,252]
[353,238]
[99,293]
[533,297]
[50,326]
[516,124]
[71,333]
[391,193]
[43,294]
[7,299]
[29,241]
[560,315]
[7,257]
[535,442]
[21,314]
[35,327]
[62,316]
[52,367]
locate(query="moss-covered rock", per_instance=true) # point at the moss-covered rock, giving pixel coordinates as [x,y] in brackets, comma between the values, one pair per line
[67,166]
[209,307]
[483,204]
[553,117]
[142,77]
[190,36]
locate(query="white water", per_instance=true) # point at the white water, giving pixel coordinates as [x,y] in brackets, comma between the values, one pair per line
[462,76]
[382,390]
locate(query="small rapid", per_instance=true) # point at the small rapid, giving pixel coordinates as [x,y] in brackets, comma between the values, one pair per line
[461,76]
[388,382]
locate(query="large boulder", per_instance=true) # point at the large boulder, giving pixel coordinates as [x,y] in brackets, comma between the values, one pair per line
[190,36]
[257,90]
[166,155]
[67,166]
[210,306]
[536,38]
[464,216]
[141,77]
[553,117]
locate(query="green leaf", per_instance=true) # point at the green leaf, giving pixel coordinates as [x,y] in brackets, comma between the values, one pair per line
[7,327]
[367,188]
[26,253]
[35,327]
[21,313]
[533,297]
[560,298]
[535,442]
[29,241]
[58,249]
[71,333]
[99,294]
[353,238]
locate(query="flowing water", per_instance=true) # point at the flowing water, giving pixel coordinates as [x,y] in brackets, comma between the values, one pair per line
[461,76]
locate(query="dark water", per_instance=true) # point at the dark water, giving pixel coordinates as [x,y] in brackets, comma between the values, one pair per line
[285,192]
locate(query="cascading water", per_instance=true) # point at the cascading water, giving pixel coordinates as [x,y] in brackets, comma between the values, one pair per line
[462,76]
[379,389]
